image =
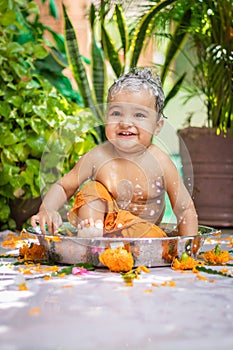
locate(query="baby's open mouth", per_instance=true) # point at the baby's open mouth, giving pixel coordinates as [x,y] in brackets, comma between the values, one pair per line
[126,133]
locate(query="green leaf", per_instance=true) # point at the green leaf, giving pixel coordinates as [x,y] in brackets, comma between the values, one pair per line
[21,150]
[16,101]
[36,142]
[40,111]
[76,64]
[176,42]
[8,18]
[111,52]
[4,109]
[33,8]
[212,271]
[98,72]
[4,177]
[7,156]
[39,51]
[17,182]
[27,107]
[174,90]
[18,69]
[217,250]
[6,191]
[184,257]
[7,138]
[122,28]
[141,31]
[14,48]
[4,209]
[97,63]
[92,15]
[53,9]
[59,58]
[30,174]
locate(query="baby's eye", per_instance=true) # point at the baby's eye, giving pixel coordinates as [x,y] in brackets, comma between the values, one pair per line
[115,113]
[140,115]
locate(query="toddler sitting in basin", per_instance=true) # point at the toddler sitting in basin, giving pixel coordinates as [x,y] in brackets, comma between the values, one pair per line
[121,184]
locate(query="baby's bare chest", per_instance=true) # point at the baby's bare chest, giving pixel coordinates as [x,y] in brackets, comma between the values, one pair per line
[130,181]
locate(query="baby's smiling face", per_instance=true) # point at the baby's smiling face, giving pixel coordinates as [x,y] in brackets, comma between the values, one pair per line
[131,119]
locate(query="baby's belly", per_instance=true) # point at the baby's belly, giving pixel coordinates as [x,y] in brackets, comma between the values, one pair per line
[151,210]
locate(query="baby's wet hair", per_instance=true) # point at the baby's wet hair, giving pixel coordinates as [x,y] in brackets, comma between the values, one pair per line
[135,80]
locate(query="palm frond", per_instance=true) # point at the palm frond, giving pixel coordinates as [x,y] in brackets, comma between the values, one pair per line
[142,30]
[176,41]
[111,52]
[122,29]
[77,66]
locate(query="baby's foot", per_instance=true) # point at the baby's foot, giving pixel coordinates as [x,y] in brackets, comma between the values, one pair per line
[89,228]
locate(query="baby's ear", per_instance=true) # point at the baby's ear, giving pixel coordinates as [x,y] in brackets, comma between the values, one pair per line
[158,127]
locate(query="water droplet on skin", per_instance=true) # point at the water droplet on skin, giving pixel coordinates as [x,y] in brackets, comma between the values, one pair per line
[119,225]
[158,201]
[152,212]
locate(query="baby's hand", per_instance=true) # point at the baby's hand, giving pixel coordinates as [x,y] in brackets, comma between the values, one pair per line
[51,218]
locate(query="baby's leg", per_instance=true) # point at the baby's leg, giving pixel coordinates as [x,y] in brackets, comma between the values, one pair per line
[90,219]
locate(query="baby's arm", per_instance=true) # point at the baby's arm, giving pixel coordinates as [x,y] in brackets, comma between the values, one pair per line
[58,195]
[181,201]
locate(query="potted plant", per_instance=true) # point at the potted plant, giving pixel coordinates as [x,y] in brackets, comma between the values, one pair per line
[31,112]
[211,147]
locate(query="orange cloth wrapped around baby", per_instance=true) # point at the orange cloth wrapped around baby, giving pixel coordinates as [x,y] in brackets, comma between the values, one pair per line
[117,222]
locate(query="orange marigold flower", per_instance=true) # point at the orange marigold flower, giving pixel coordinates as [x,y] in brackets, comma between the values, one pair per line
[186,262]
[117,260]
[217,256]
[34,252]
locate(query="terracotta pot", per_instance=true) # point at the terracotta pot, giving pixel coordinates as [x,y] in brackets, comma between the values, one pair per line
[211,158]
[23,209]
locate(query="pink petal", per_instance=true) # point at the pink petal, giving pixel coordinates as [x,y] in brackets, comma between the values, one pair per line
[79,271]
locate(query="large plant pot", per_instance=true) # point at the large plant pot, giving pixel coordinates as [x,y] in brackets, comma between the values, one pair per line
[211,158]
[23,209]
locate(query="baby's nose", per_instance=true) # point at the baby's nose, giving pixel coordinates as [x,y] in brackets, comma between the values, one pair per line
[126,120]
